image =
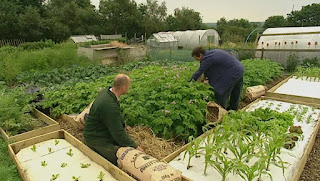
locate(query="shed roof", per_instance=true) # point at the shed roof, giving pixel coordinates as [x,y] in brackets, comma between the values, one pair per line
[83,38]
[163,37]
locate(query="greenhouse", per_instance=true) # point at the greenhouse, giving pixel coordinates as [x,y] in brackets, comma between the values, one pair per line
[184,39]
[279,43]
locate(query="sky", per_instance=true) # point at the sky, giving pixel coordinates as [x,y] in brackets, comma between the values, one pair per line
[252,10]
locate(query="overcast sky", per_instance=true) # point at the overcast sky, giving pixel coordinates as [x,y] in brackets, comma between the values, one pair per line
[253,10]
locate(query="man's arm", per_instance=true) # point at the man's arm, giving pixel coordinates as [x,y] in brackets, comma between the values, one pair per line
[112,120]
[204,66]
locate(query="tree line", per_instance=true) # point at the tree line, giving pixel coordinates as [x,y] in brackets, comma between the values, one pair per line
[34,20]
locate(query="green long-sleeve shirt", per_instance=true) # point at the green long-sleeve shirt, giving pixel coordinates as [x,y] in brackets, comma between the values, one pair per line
[105,125]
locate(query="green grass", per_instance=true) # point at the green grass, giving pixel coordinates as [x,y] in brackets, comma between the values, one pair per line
[8,170]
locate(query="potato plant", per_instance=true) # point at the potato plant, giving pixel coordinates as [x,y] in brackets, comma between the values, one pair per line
[160,96]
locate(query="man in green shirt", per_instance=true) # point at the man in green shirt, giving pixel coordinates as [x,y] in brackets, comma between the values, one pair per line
[104,129]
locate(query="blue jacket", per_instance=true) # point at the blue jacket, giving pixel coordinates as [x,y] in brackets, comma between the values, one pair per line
[221,68]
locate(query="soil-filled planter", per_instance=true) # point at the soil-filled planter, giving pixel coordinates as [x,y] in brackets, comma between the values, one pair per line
[50,125]
[58,154]
[304,90]
[295,157]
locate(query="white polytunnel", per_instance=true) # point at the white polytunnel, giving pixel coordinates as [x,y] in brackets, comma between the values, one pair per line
[282,42]
[186,39]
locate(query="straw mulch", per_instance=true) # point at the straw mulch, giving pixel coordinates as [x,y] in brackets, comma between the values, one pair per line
[152,145]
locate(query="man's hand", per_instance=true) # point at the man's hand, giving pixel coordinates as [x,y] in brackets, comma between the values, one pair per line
[140,149]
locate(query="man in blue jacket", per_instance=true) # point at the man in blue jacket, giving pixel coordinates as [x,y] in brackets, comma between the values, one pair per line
[225,74]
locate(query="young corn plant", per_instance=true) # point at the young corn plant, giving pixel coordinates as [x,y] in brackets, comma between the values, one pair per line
[193,149]
[224,167]
[249,173]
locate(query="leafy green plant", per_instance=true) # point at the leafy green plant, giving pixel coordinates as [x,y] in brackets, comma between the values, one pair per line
[15,111]
[160,96]
[44,163]
[70,153]
[50,150]
[292,62]
[56,142]
[54,177]
[85,165]
[100,176]
[75,178]
[34,148]
[63,165]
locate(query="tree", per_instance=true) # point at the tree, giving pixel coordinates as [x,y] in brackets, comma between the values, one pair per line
[154,16]
[172,23]
[235,30]
[30,20]
[308,16]
[9,20]
[274,22]
[121,16]
[187,19]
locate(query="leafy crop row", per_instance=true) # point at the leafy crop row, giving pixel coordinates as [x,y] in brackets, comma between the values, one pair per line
[15,109]
[259,72]
[57,77]
[308,72]
[160,96]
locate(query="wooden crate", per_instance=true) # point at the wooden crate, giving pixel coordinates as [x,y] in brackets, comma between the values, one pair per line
[302,161]
[52,125]
[14,148]
[288,97]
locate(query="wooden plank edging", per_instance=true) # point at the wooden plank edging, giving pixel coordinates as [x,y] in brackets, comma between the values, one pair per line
[14,148]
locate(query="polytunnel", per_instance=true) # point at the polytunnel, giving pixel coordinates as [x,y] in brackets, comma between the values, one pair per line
[191,38]
[280,43]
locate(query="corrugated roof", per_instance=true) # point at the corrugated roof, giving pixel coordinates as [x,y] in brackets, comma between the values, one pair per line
[83,38]
[164,37]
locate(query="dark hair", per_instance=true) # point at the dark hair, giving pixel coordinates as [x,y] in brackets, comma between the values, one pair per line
[197,51]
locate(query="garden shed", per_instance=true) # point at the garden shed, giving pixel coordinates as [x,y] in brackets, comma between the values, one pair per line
[279,43]
[185,39]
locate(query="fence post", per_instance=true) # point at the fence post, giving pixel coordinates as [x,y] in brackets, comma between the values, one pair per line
[262,51]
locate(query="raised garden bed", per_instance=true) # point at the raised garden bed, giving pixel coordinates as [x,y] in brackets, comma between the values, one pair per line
[296,157]
[58,156]
[49,126]
[302,89]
